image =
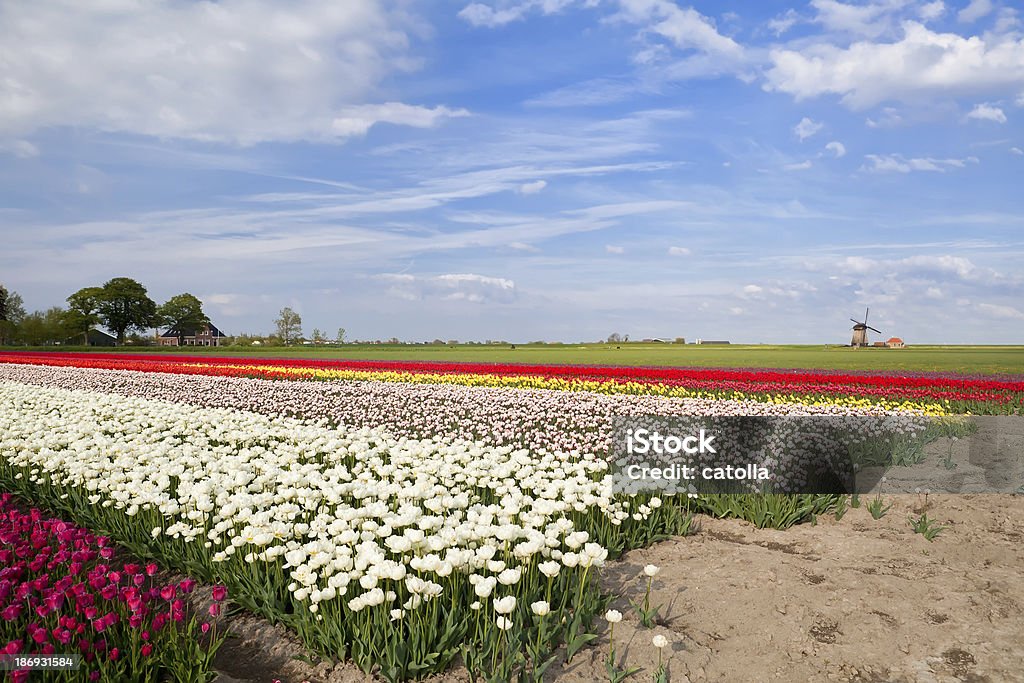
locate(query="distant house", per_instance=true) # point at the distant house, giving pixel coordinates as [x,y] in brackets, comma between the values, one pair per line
[880,344]
[895,343]
[207,335]
[711,341]
[93,338]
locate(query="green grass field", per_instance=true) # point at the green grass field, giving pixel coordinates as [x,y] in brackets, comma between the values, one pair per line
[963,359]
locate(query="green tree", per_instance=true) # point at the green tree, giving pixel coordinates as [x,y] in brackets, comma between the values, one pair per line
[289,325]
[183,314]
[43,328]
[12,312]
[318,335]
[124,305]
[83,311]
[341,335]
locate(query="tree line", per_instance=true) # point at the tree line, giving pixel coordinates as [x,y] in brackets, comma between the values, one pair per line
[122,305]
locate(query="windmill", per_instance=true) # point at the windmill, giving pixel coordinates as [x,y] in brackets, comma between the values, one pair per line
[860,331]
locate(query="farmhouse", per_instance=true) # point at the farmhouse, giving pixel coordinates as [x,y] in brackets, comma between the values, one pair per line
[895,343]
[207,335]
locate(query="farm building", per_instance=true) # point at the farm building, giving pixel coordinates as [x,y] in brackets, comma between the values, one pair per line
[207,335]
[895,343]
[93,338]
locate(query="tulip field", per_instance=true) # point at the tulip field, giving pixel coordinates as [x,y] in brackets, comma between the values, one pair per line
[405,516]
[934,392]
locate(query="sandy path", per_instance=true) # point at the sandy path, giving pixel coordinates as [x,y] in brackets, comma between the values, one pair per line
[854,600]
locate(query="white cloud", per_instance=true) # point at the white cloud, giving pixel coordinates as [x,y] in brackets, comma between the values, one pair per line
[800,166]
[612,249]
[686,28]
[956,265]
[837,148]
[986,112]
[753,289]
[806,128]
[883,163]
[533,188]
[1020,100]
[707,53]
[974,11]
[890,118]
[711,52]
[782,23]
[450,287]
[944,264]
[238,71]
[997,311]
[481,15]
[356,120]
[921,63]
[220,299]
[679,251]
[1017,150]
[932,10]
[934,293]
[868,20]
[523,246]
[23,149]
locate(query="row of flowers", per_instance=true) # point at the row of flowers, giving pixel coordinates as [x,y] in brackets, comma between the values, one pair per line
[532,419]
[394,551]
[708,384]
[63,591]
[946,381]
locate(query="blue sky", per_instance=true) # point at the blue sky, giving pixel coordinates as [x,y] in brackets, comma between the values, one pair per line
[758,171]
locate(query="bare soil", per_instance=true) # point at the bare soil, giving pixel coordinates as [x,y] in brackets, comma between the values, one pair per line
[857,600]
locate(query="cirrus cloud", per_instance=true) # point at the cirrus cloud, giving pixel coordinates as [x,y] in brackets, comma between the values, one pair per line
[889,163]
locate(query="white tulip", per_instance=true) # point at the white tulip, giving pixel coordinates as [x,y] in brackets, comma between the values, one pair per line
[505,605]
